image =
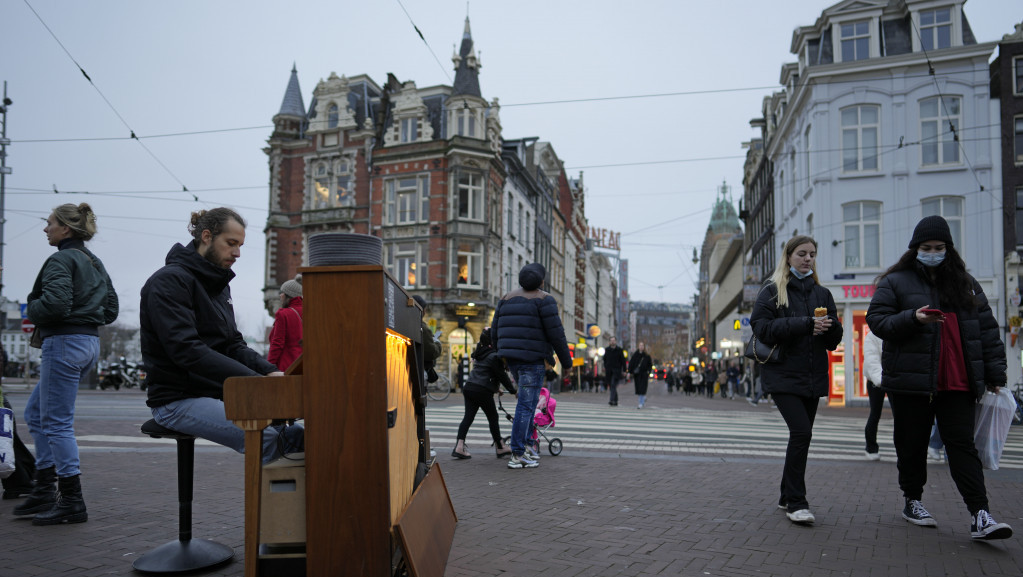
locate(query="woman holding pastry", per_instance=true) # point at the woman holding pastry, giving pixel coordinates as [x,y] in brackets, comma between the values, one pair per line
[797,314]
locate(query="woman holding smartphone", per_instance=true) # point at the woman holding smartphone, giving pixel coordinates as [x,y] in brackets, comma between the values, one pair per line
[942,350]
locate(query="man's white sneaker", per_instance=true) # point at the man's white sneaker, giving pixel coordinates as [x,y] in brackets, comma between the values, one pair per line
[872,456]
[802,516]
[522,462]
[533,455]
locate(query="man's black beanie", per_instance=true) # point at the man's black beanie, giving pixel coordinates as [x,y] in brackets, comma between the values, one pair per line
[531,276]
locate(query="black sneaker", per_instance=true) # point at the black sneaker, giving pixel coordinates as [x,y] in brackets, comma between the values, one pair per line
[984,527]
[915,513]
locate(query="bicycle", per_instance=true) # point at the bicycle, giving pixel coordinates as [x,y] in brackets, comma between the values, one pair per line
[439,389]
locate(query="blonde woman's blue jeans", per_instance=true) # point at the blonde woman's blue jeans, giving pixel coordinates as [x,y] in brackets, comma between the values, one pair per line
[50,412]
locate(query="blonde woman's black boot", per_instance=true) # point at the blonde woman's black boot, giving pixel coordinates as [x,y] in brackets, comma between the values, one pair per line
[70,506]
[43,495]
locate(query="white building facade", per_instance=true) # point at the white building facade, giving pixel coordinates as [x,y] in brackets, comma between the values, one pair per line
[868,141]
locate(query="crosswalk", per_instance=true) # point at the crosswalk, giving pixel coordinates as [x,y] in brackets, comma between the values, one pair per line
[756,433]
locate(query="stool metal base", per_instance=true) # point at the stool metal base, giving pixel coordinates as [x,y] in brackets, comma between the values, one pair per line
[180,556]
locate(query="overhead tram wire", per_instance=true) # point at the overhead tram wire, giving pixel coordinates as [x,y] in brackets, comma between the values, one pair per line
[423,38]
[105,99]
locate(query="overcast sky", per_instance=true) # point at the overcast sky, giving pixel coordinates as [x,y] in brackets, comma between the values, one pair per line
[192,66]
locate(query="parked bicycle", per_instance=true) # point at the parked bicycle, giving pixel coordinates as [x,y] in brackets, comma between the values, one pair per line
[439,389]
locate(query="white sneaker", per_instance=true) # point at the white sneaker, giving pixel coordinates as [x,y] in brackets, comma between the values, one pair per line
[522,462]
[533,455]
[933,454]
[872,456]
[802,516]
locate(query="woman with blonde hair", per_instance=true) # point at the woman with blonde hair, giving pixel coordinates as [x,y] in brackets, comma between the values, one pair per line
[796,314]
[72,297]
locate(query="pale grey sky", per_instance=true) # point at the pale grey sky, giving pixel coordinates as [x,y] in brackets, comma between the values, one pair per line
[192,65]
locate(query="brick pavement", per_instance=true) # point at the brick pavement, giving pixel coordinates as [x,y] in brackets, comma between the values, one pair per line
[581,513]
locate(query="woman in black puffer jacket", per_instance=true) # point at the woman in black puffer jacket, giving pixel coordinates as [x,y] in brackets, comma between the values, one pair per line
[487,375]
[942,350]
[784,316]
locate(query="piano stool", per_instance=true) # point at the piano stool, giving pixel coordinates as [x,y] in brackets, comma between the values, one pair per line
[184,554]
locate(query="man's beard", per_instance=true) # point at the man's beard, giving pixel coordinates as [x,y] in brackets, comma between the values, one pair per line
[211,256]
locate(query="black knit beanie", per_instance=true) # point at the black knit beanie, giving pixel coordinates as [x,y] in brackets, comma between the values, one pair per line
[531,276]
[931,228]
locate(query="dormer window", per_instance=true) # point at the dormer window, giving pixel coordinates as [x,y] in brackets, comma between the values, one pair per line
[855,37]
[465,122]
[332,116]
[409,129]
[936,29]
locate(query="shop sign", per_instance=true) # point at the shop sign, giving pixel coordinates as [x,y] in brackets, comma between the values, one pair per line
[605,238]
[467,311]
[865,291]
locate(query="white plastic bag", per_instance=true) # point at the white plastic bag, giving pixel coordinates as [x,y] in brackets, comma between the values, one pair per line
[994,416]
[6,441]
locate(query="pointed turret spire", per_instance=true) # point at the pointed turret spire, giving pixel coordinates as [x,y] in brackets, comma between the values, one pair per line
[293,104]
[467,67]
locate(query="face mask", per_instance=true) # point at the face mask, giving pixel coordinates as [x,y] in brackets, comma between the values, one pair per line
[799,275]
[930,258]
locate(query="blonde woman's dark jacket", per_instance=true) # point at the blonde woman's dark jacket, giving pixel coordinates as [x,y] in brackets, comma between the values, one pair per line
[804,369]
[910,354]
[73,293]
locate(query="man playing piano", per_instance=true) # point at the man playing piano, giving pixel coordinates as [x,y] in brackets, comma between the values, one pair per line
[191,344]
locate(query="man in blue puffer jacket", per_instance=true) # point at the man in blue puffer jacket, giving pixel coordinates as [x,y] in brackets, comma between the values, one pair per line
[525,329]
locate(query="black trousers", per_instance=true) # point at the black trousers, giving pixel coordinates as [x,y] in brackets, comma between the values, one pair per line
[475,400]
[613,378]
[876,396]
[799,413]
[24,462]
[954,410]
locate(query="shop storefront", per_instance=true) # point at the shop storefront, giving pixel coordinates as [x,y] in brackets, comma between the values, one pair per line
[847,383]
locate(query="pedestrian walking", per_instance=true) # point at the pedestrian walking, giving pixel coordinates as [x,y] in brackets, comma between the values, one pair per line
[784,316]
[286,334]
[71,298]
[191,344]
[19,484]
[485,379]
[525,329]
[639,367]
[710,378]
[943,349]
[697,376]
[614,368]
[872,370]
[733,379]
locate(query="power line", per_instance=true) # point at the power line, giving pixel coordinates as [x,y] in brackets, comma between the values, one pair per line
[143,137]
[105,99]
[423,38]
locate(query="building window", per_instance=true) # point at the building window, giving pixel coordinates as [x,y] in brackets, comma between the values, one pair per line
[1018,139]
[409,129]
[860,129]
[332,116]
[809,224]
[807,164]
[522,222]
[469,265]
[465,122]
[862,234]
[1019,216]
[951,209]
[939,123]
[936,28]
[792,175]
[470,196]
[333,184]
[511,216]
[1017,74]
[855,38]
[406,261]
[407,200]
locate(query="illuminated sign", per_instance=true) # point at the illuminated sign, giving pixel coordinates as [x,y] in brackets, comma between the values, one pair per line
[858,291]
[593,331]
[605,238]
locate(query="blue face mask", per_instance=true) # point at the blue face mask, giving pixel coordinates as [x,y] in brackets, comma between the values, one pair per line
[930,258]
[799,275]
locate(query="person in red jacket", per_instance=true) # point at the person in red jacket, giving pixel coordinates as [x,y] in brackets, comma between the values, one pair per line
[286,334]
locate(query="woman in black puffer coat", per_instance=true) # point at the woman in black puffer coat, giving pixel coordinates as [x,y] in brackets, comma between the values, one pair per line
[784,316]
[942,350]
[487,375]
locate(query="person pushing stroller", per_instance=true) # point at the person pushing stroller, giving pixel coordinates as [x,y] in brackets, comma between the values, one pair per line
[486,377]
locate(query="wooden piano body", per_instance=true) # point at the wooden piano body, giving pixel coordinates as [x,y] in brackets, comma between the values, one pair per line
[360,390]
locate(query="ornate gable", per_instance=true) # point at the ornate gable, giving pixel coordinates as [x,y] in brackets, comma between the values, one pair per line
[332,110]
[409,118]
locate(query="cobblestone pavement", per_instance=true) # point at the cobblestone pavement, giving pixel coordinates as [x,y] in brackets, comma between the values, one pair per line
[624,511]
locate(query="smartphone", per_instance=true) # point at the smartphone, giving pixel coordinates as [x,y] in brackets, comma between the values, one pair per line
[933,312]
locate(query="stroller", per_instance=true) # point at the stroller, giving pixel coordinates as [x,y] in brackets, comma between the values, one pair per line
[543,420]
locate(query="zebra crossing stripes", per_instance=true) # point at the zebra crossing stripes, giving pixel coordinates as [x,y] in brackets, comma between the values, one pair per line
[754,433]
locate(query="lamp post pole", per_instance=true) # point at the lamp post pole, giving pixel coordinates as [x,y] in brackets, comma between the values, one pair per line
[4,171]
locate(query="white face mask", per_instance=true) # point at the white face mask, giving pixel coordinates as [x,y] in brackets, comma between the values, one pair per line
[798,274]
[930,258]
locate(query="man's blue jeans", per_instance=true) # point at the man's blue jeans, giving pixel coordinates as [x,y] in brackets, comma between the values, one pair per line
[205,418]
[529,379]
[50,412]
